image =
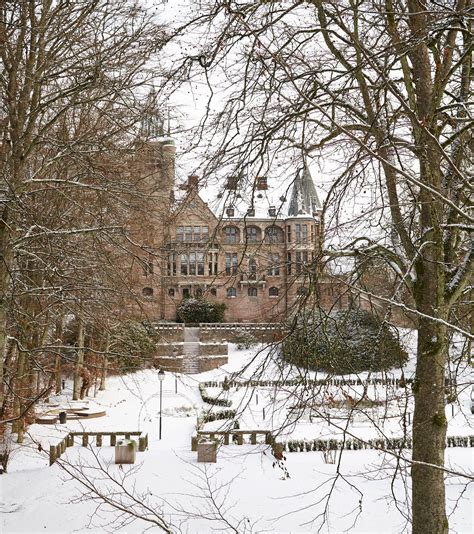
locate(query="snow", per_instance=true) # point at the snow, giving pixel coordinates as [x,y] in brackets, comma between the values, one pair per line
[38,498]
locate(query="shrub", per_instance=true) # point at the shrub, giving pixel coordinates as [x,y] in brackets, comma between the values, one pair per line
[349,341]
[244,339]
[132,345]
[200,311]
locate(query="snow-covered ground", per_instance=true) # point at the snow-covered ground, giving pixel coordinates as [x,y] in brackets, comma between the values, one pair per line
[356,495]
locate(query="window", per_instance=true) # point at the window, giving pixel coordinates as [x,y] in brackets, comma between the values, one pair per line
[252,291]
[171,268]
[251,212]
[190,234]
[302,291]
[213,291]
[231,263]
[212,263]
[185,293]
[273,292]
[147,292]
[184,264]
[288,262]
[252,234]
[192,264]
[288,234]
[252,269]
[301,233]
[274,234]
[301,261]
[273,265]
[231,292]
[148,265]
[198,292]
[171,292]
[231,235]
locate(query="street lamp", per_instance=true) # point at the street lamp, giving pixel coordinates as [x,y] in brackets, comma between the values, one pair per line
[161,377]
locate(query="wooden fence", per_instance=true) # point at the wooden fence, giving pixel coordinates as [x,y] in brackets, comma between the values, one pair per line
[55,451]
[238,434]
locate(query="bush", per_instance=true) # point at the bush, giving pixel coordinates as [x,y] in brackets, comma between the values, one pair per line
[132,345]
[349,341]
[244,339]
[200,311]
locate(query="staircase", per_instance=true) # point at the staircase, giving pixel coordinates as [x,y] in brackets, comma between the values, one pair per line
[191,351]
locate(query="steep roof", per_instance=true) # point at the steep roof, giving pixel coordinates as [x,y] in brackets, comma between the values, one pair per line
[304,198]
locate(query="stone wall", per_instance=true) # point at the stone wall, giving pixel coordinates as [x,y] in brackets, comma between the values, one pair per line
[171,364]
[264,332]
[207,363]
[170,332]
[213,349]
[169,349]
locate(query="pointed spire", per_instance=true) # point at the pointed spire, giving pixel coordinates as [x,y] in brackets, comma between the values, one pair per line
[304,198]
[152,121]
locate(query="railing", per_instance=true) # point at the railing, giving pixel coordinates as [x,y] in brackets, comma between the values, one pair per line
[238,434]
[55,451]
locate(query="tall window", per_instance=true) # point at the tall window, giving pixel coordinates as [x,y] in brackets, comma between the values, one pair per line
[231,263]
[231,292]
[274,234]
[195,264]
[273,265]
[301,233]
[252,291]
[288,263]
[231,235]
[301,261]
[288,234]
[212,265]
[252,269]
[252,234]
[184,264]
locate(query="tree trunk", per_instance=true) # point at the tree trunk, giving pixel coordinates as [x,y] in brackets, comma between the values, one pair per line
[103,374]
[76,392]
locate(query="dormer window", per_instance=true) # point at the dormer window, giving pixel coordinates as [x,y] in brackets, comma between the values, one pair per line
[272,211]
[261,183]
[251,212]
[230,212]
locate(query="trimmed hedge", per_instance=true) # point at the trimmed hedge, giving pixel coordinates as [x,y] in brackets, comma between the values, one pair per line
[346,341]
[303,445]
[199,310]
[214,401]
[208,417]
[396,382]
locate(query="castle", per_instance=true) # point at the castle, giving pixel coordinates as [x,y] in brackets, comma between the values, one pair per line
[260,262]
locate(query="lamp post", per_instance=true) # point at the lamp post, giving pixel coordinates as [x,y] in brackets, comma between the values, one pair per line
[161,377]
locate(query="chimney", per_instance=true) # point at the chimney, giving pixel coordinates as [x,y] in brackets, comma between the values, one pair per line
[193,182]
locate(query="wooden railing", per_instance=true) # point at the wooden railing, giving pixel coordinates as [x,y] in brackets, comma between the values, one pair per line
[55,451]
[227,434]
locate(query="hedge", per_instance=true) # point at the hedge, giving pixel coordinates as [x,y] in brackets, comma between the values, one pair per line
[214,401]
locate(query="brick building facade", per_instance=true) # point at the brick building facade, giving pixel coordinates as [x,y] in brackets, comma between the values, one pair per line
[260,264]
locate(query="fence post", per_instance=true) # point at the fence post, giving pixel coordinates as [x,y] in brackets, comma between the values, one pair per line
[113,440]
[52,454]
[240,439]
[226,439]
[253,438]
[98,440]
[85,440]
[142,443]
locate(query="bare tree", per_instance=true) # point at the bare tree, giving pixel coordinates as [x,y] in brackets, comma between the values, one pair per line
[382,89]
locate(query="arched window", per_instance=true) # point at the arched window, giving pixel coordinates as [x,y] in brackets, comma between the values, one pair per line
[198,292]
[252,291]
[302,291]
[147,292]
[273,292]
[171,292]
[213,291]
[274,234]
[231,292]
[252,234]
[231,235]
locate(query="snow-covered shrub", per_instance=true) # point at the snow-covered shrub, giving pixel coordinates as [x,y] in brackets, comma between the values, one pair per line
[200,311]
[348,341]
[244,339]
[214,401]
[132,344]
